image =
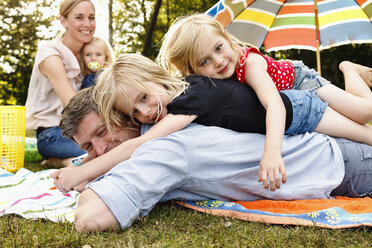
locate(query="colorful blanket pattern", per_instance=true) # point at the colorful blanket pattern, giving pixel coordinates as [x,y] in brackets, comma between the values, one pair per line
[33,195]
[341,212]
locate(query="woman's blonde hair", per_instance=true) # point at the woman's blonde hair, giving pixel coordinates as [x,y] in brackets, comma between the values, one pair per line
[68,5]
[132,70]
[106,49]
[181,44]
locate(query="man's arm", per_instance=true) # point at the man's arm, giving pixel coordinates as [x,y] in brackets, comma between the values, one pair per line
[132,188]
[103,217]
[66,179]
[70,178]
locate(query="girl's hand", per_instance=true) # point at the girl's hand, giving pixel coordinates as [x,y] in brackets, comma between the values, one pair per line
[66,179]
[272,167]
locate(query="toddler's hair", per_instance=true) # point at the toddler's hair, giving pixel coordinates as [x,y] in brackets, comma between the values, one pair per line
[132,70]
[181,44]
[106,49]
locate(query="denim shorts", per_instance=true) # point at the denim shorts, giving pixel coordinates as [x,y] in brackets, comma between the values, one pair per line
[358,169]
[307,109]
[306,78]
[52,144]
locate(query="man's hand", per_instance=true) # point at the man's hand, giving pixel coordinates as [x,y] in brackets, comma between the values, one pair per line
[66,179]
[271,167]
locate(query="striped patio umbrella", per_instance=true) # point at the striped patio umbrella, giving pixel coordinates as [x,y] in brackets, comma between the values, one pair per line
[302,24]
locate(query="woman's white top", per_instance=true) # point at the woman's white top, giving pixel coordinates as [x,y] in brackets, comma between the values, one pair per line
[43,106]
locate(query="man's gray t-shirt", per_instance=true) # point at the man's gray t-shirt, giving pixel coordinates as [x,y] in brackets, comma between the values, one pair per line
[203,163]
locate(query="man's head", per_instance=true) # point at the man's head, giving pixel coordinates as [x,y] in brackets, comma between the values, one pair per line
[82,123]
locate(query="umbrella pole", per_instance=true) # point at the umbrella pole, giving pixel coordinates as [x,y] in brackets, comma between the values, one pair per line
[317,37]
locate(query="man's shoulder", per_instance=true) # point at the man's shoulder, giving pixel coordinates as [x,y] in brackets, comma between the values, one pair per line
[146,127]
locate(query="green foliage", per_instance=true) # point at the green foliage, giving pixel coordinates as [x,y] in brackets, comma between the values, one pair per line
[20,25]
[131,20]
[172,9]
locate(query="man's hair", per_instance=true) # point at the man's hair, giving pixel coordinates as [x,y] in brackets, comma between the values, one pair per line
[79,106]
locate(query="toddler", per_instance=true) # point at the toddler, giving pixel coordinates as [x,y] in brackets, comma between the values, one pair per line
[94,56]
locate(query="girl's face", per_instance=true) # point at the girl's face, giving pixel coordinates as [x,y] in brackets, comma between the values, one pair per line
[146,108]
[80,23]
[94,53]
[216,57]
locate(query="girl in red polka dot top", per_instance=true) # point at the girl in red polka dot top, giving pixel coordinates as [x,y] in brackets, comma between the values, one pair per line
[198,44]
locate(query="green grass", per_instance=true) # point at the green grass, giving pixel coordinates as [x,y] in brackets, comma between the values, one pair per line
[171,225]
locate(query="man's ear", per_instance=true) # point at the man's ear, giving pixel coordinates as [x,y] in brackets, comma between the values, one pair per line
[62,19]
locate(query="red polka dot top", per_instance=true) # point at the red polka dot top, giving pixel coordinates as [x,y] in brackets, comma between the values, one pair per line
[281,72]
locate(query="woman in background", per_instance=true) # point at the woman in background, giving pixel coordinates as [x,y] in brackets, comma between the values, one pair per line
[55,79]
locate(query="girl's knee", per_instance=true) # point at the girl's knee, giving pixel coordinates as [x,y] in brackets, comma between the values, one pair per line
[365,114]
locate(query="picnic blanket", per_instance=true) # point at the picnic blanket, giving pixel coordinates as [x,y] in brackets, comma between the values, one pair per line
[33,195]
[341,212]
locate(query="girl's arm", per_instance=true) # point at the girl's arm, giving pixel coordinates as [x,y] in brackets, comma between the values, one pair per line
[271,164]
[71,177]
[52,68]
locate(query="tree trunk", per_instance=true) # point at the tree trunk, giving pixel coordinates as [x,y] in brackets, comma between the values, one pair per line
[151,28]
[110,24]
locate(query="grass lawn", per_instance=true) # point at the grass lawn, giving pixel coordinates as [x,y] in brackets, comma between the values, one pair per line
[170,225]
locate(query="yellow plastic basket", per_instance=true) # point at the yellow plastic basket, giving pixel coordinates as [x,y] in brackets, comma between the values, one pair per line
[12,137]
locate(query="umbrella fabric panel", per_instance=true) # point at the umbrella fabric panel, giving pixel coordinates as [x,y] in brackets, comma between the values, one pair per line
[366,6]
[253,22]
[340,22]
[215,9]
[346,34]
[343,22]
[294,27]
[281,24]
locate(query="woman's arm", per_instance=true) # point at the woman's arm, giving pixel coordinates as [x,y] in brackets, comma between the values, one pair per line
[70,177]
[271,165]
[52,68]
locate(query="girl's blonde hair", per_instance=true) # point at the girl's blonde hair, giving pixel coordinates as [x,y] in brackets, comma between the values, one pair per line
[181,44]
[106,49]
[132,70]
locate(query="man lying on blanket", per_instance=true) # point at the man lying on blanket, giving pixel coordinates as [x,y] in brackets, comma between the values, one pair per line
[201,163]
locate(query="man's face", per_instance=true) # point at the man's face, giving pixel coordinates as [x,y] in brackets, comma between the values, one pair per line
[93,136]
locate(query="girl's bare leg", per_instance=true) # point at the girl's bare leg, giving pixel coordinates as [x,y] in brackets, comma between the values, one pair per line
[358,78]
[355,102]
[337,125]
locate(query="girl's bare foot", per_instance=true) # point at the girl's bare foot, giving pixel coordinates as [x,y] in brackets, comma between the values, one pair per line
[364,72]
